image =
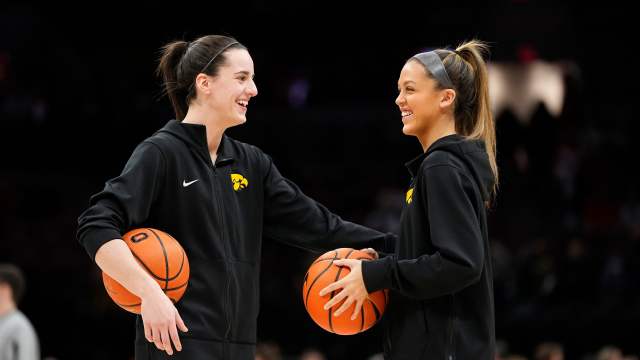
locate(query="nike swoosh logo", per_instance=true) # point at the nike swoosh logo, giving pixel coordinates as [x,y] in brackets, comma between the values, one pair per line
[185,183]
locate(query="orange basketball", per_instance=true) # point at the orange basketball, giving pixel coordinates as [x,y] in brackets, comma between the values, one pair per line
[323,272]
[162,257]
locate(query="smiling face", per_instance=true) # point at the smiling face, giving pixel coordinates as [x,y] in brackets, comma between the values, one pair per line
[421,103]
[228,93]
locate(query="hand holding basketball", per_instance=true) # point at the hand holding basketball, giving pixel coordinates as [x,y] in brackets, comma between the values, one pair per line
[160,318]
[164,259]
[325,270]
[353,289]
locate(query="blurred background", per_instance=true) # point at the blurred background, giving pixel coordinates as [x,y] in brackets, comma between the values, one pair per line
[78,93]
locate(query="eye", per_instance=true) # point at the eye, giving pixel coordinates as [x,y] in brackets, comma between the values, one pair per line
[409,89]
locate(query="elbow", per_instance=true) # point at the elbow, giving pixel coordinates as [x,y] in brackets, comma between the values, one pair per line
[471,274]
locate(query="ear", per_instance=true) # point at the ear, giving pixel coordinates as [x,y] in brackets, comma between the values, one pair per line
[203,84]
[447,97]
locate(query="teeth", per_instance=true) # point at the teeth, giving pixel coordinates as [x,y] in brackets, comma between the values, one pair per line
[406,113]
[243,103]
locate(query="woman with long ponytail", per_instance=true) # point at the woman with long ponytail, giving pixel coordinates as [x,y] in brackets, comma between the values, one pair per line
[440,277]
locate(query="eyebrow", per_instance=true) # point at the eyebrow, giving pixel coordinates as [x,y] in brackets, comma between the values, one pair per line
[405,83]
[244,72]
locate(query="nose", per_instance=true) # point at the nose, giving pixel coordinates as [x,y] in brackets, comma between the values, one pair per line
[252,90]
[399,99]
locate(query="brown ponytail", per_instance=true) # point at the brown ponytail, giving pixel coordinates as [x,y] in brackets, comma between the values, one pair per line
[472,112]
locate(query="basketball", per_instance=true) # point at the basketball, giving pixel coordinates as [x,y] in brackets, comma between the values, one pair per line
[162,257]
[322,273]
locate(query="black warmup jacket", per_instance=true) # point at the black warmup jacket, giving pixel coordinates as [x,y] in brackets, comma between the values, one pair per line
[219,213]
[440,276]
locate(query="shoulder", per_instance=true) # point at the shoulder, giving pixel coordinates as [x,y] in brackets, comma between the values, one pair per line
[19,323]
[251,152]
[148,151]
[444,169]
[440,161]
[162,142]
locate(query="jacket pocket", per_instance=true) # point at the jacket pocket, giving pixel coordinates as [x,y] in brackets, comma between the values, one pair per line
[407,330]
[244,300]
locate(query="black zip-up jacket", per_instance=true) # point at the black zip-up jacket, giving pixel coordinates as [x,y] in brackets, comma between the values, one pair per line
[219,213]
[440,276]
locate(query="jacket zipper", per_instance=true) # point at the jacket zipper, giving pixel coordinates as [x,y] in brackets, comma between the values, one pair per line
[451,345]
[388,338]
[226,265]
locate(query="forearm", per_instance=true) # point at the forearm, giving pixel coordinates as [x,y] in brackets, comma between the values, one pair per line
[425,277]
[348,234]
[115,259]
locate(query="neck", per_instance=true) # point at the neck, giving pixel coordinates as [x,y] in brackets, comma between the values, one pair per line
[6,307]
[197,114]
[444,126]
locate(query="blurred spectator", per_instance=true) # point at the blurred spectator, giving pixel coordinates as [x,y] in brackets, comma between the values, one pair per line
[18,339]
[609,353]
[268,351]
[312,354]
[515,357]
[549,351]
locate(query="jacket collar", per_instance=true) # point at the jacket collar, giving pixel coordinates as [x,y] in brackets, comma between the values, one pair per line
[195,136]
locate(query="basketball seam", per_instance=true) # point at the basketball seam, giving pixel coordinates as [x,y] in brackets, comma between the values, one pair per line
[126,305]
[375,309]
[334,291]
[166,259]
[146,268]
[316,279]
[177,287]
[182,262]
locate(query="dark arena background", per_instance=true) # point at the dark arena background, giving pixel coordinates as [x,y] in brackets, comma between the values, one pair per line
[78,93]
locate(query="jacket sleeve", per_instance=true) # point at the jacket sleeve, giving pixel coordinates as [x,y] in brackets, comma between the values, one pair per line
[458,257]
[125,200]
[294,218]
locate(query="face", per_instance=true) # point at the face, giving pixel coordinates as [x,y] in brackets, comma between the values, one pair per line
[228,94]
[420,102]
[5,293]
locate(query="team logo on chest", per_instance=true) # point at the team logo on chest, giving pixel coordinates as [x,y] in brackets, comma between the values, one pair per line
[409,197]
[239,182]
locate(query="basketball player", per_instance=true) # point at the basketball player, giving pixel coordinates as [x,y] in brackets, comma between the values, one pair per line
[218,197]
[441,298]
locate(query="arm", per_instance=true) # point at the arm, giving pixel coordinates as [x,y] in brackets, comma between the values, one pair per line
[294,218]
[158,312]
[455,234]
[115,259]
[26,346]
[126,201]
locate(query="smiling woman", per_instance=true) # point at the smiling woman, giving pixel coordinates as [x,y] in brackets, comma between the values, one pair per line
[440,275]
[218,197]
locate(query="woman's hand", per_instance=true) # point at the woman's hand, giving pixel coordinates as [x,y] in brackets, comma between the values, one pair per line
[353,289]
[161,318]
[371,252]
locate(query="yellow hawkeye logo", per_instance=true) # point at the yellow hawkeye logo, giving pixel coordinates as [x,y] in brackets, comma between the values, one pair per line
[239,182]
[409,196]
